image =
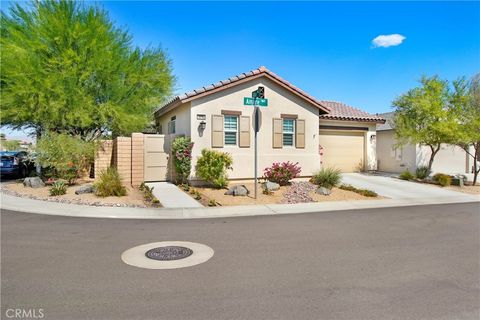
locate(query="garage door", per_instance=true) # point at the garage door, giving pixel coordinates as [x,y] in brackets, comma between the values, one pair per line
[343,150]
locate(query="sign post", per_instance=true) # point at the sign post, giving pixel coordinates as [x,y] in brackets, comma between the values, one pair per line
[258,97]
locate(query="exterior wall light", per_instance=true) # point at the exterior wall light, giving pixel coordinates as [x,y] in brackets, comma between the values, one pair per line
[202,125]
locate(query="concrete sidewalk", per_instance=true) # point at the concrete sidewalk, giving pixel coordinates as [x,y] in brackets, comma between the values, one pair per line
[13,203]
[171,196]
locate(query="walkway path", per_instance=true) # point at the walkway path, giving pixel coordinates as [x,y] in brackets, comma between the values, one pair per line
[171,196]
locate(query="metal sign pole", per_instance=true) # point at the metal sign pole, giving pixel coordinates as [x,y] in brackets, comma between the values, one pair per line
[255,110]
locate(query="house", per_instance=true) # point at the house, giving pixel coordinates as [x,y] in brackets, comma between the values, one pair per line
[450,159]
[294,126]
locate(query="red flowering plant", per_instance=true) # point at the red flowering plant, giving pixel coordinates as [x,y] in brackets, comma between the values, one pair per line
[282,173]
[182,157]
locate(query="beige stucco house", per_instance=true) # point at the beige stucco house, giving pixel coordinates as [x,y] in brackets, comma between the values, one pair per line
[450,159]
[294,127]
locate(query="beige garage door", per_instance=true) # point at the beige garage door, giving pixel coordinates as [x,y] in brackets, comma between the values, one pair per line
[343,150]
[156,159]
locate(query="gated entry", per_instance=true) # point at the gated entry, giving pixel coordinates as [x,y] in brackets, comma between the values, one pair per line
[156,156]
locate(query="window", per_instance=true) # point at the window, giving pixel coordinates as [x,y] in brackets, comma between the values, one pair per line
[171,125]
[230,127]
[288,132]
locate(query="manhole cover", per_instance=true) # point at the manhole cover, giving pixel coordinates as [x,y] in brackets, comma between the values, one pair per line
[168,253]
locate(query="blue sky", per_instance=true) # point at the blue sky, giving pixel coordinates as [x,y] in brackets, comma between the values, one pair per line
[324,48]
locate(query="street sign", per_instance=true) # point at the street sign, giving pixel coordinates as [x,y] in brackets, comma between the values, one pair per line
[258,102]
[259,93]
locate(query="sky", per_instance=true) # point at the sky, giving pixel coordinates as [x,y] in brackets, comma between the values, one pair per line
[364,54]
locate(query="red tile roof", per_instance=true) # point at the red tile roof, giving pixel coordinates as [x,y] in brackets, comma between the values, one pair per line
[341,111]
[262,71]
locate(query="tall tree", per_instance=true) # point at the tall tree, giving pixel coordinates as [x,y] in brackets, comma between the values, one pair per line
[422,116]
[466,108]
[66,67]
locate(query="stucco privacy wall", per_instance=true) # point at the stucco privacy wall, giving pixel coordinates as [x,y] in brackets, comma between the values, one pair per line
[391,159]
[370,139]
[450,159]
[122,158]
[280,101]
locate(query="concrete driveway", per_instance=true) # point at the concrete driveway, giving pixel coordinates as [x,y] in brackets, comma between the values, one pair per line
[399,189]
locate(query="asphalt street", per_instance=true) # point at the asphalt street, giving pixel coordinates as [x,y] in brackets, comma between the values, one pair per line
[397,263]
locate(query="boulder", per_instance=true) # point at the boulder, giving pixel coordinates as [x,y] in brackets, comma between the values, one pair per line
[271,186]
[33,182]
[86,188]
[237,190]
[323,191]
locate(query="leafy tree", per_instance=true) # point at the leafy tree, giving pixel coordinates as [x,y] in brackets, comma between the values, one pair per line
[466,108]
[422,116]
[67,68]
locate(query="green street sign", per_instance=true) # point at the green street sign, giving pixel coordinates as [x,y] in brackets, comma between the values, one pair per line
[259,102]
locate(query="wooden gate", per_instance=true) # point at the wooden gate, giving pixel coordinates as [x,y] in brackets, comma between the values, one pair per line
[156,156]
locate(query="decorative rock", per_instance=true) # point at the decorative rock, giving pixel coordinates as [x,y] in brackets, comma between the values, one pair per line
[323,191]
[237,190]
[271,186]
[33,182]
[87,188]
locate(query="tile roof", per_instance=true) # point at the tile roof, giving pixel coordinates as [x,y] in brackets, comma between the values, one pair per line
[341,111]
[214,87]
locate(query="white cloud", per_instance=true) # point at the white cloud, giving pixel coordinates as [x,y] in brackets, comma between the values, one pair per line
[388,40]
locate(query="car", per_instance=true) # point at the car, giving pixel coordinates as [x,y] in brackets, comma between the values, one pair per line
[15,163]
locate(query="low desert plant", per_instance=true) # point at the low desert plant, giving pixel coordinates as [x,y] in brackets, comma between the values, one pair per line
[363,192]
[212,203]
[212,167]
[110,184]
[185,187]
[406,175]
[422,172]
[282,173]
[58,188]
[182,157]
[442,179]
[327,177]
[197,195]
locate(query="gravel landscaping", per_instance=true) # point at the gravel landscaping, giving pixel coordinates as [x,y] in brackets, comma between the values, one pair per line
[134,197]
[296,192]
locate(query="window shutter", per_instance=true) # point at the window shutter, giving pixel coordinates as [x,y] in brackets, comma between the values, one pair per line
[300,134]
[244,132]
[277,133]
[217,131]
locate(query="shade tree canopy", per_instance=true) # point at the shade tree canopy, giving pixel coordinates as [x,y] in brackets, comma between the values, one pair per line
[67,68]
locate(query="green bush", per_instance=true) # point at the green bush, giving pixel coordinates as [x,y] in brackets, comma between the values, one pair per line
[422,172]
[327,177]
[58,188]
[212,167]
[363,192]
[406,175]
[110,184]
[442,179]
[182,157]
[65,156]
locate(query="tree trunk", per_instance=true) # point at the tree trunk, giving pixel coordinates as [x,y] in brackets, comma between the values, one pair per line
[476,170]
[432,156]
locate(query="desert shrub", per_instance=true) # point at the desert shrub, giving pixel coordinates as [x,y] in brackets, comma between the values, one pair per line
[282,173]
[212,167]
[422,172]
[197,195]
[406,175]
[212,203]
[65,156]
[442,179]
[363,192]
[58,188]
[148,193]
[110,184]
[327,177]
[182,157]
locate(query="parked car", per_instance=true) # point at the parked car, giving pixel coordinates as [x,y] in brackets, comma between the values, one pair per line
[15,163]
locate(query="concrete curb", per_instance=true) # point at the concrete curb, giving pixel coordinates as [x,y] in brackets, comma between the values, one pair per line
[13,203]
